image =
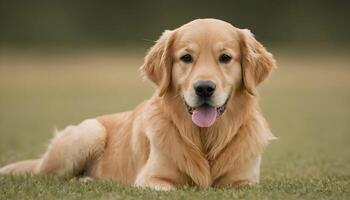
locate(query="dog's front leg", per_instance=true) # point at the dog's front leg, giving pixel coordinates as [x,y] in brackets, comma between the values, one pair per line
[242,174]
[159,173]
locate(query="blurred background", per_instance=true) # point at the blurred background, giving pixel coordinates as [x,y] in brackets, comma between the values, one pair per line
[120,23]
[64,61]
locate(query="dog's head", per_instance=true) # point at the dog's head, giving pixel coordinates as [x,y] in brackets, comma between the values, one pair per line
[206,62]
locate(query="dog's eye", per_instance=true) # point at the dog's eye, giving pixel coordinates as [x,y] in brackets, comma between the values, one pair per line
[224,58]
[187,58]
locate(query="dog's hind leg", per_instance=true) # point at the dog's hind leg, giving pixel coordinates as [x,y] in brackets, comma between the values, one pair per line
[68,153]
[22,167]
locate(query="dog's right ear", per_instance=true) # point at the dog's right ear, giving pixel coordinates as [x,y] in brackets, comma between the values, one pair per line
[158,62]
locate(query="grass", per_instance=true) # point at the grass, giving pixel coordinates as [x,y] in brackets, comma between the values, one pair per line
[306,102]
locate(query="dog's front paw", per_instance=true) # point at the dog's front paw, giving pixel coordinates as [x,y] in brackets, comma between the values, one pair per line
[156,184]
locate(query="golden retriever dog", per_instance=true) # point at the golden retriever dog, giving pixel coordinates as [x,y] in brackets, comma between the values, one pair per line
[202,127]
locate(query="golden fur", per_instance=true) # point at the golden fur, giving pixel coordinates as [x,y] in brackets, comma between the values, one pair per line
[157,145]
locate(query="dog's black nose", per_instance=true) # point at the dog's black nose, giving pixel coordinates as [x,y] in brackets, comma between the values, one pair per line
[204,88]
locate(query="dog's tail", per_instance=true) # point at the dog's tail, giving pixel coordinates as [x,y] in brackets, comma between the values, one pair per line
[22,167]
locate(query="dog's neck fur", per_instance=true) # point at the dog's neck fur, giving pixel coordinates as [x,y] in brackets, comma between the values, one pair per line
[210,141]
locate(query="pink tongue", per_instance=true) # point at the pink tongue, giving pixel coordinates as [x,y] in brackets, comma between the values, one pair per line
[204,116]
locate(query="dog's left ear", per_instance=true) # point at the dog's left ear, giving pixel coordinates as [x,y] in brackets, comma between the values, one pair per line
[158,62]
[256,61]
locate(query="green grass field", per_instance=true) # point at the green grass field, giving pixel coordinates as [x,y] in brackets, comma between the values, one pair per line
[306,101]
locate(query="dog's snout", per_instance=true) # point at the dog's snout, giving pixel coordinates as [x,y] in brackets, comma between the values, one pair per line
[204,88]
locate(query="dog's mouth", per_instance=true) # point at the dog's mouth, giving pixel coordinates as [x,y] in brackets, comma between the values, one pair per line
[205,115]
